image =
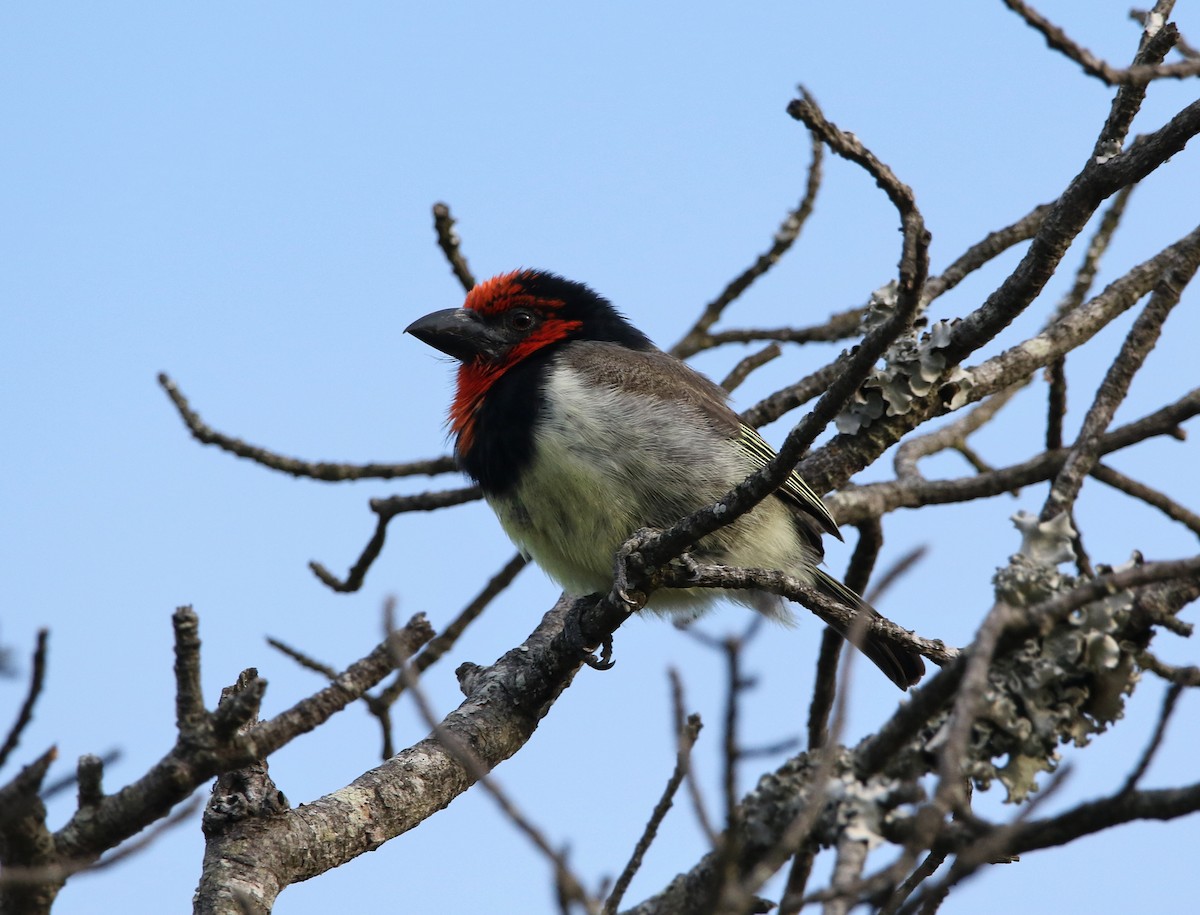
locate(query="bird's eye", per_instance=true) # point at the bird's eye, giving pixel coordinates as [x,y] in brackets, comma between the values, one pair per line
[520,319]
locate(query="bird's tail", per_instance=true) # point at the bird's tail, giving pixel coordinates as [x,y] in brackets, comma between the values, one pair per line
[901,666]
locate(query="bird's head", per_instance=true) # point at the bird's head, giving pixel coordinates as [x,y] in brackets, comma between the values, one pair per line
[516,319]
[510,317]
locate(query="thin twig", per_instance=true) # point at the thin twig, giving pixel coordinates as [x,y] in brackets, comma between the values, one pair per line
[824,687]
[755,360]
[840,326]
[996,243]
[1184,676]
[862,562]
[1158,37]
[698,805]
[1084,277]
[653,550]
[919,875]
[686,740]
[306,661]
[1162,502]
[445,639]
[317,470]
[729,846]
[895,572]
[874,499]
[1092,65]
[794,839]
[986,250]
[451,245]
[385,510]
[990,847]
[951,435]
[92,769]
[1138,343]
[1160,729]
[831,611]
[695,339]
[795,395]
[37,678]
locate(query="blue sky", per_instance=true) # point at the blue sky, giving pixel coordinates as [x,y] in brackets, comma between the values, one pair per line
[239,195]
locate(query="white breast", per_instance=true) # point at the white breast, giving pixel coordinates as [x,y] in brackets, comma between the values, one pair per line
[607,462]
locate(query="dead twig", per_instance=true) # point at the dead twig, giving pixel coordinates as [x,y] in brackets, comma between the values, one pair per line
[316,470]
[451,245]
[37,678]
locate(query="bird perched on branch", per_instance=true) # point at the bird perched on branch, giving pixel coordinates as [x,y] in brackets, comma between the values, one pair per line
[580,431]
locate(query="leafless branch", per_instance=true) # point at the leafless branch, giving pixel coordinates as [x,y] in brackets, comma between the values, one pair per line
[451,245]
[1092,65]
[951,435]
[1184,48]
[829,610]
[875,499]
[1160,729]
[984,251]
[697,338]
[317,470]
[1084,277]
[687,739]
[1097,180]
[1183,676]
[840,326]
[862,562]
[1141,339]
[37,677]
[59,873]
[385,510]
[1163,503]
[679,717]
[742,370]
[445,639]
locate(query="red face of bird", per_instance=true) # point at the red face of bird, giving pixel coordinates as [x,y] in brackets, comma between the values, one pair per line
[504,320]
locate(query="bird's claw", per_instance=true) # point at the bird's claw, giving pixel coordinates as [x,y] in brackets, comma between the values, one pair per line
[631,603]
[605,661]
[574,635]
[629,557]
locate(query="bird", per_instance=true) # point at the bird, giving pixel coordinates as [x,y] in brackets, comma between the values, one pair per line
[579,431]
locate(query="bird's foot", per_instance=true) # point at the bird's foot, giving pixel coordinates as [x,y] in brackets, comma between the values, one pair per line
[627,565]
[573,633]
[605,661]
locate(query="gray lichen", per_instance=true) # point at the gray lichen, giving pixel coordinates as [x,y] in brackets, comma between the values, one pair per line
[1060,688]
[848,805]
[912,365]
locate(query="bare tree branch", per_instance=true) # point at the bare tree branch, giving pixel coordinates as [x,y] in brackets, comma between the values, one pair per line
[1141,339]
[697,338]
[451,245]
[687,739]
[385,510]
[1163,503]
[1092,65]
[37,677]
[317,470]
